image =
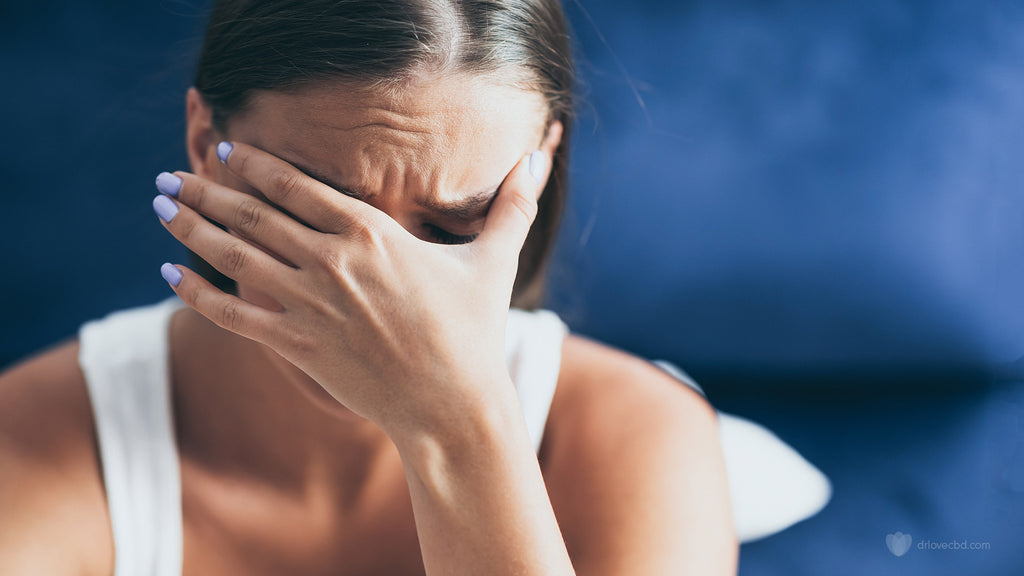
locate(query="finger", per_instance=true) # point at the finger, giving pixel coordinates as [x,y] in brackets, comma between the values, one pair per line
[233,257]
[250,217]
[314,202]
[225,310]
[515,207]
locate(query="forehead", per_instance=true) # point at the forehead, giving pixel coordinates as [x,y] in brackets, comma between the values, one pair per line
[443,137]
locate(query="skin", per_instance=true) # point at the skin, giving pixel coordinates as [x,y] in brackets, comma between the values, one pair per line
[316,435]
[429,144]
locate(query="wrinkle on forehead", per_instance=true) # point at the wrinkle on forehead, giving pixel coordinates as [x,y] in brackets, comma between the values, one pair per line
[427,105]
[442,139]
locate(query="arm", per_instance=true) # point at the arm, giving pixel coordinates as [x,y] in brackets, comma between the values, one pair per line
[479,498]
[634,469]
[402,332]
[53,517]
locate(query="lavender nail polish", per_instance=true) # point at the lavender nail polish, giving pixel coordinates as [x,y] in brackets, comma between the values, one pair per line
[537,165]
[223,150]
[171,273]
[168,183]
[165,208]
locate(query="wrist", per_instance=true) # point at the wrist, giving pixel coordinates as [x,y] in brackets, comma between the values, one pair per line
[471,430]
[479,498]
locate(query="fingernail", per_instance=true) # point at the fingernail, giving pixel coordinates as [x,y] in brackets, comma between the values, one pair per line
[171,273]
[165,208]
[168,183]
[223,150]
[537,165]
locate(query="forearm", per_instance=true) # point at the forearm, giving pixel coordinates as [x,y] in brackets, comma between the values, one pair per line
[479,499]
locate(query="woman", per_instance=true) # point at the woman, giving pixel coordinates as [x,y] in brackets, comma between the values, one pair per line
[388,179]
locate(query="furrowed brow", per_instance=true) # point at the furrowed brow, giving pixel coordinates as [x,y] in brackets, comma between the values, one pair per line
[471,207]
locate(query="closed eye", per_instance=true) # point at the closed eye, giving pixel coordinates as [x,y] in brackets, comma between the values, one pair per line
[446,237]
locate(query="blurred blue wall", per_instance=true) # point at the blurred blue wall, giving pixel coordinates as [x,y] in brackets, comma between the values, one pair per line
[92,100]
[763,191]
[804,190]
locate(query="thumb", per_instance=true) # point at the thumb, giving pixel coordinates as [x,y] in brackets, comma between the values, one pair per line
[515,207]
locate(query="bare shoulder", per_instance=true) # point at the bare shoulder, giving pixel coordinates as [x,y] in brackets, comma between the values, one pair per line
[54,518]
[634,469]
[605,394]
[595,375]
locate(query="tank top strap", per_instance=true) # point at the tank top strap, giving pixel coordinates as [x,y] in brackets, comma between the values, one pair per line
[124,357]
[533,351]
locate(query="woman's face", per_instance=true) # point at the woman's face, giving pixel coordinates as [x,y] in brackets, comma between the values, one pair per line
[436,144]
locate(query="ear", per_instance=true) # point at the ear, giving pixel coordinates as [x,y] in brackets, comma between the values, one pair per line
[201,138]
[552,138]
[549,146]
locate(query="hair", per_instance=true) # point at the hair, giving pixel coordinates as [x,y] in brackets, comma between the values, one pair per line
[282,45]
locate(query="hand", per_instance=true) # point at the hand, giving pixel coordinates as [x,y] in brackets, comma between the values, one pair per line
[401,331]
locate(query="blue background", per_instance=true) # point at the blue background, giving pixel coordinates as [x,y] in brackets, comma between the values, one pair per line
[819,191]
[814,208]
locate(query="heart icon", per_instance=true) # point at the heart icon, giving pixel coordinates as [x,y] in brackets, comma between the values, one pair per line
[898,543]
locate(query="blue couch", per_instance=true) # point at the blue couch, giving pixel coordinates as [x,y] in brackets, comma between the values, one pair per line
[814,208]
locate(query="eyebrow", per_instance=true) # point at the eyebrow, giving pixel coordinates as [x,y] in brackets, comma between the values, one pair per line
[473,206]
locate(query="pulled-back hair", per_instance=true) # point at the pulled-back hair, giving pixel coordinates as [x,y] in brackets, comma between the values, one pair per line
[282,45]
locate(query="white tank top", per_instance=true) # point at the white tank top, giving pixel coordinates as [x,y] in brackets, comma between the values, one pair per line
[125,360]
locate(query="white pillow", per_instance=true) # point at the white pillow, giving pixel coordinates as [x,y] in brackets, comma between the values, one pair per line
[771,485]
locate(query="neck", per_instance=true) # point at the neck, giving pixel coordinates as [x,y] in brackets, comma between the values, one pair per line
[242,410]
